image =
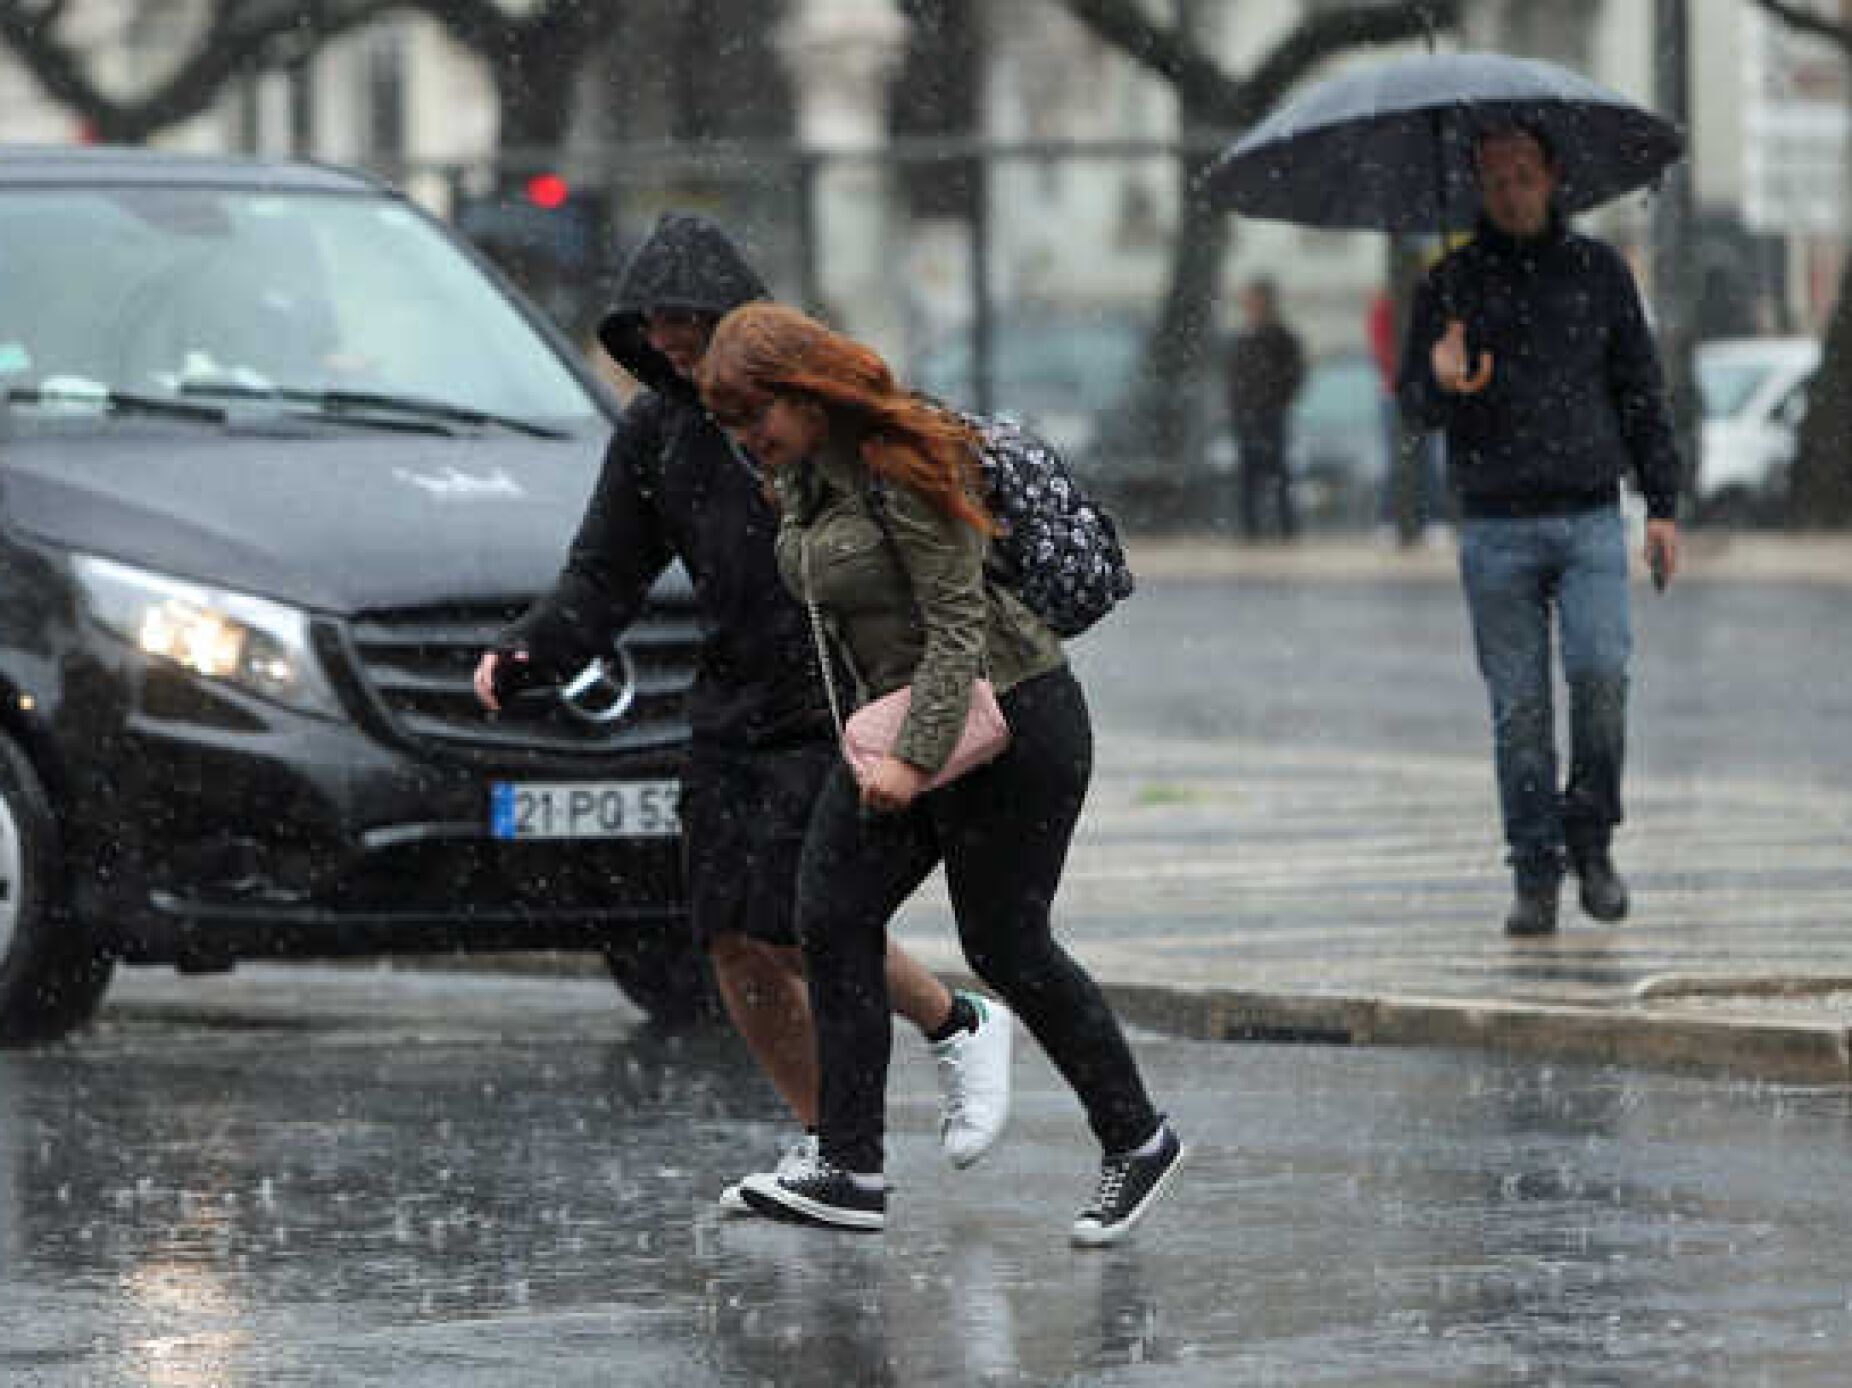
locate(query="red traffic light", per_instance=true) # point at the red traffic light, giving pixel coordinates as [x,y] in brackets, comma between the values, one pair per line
[548,190]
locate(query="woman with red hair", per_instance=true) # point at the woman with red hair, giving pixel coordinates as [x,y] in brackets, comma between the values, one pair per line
[883,530]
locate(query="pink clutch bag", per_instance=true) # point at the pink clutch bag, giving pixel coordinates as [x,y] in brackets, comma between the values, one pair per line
[870,732]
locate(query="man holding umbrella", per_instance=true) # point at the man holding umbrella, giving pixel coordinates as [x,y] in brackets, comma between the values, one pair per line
[1529,347]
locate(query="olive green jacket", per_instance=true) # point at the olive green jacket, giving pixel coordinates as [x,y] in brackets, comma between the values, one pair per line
[908,601]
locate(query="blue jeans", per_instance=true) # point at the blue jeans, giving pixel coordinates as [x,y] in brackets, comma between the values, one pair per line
[1517,573]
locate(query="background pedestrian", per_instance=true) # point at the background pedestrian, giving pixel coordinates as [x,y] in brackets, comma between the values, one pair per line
[1266,367]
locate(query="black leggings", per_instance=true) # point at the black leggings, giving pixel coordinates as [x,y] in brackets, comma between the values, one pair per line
[1003,833]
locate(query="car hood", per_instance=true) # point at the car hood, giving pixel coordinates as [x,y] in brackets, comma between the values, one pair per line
[330,520]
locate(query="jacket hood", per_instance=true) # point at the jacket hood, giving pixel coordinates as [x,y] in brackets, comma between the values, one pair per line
[686,262]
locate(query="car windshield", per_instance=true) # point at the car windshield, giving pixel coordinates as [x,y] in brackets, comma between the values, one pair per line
[1726,386]
[184,291]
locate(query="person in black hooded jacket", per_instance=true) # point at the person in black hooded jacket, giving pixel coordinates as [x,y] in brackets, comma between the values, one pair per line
[673,486]
[1529,347]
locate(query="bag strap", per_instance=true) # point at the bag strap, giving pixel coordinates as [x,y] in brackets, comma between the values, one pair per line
[816,635]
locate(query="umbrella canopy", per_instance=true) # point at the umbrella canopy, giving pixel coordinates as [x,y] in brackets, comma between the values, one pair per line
[1390,147]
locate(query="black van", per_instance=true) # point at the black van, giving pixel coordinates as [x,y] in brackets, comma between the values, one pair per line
[278,456]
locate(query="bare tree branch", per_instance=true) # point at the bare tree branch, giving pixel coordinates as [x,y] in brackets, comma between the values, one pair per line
[479,25]
[1805,21]
[489,31]
[1329,32]
[1218,98]
[1167,50]
[532,58]
[243,36]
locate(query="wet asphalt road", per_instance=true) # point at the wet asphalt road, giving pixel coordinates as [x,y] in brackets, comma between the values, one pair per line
[322,1177]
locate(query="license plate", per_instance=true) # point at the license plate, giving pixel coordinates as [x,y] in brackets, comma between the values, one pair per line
[584,809]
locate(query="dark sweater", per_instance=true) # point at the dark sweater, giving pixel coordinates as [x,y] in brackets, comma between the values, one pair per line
[1266,367]
[1576,396]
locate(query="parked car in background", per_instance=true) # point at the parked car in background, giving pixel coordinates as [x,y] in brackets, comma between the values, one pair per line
[1754,395]
[278,457]
[1069,375]
[1338,445]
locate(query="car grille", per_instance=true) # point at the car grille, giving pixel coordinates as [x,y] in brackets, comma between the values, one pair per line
[416,666]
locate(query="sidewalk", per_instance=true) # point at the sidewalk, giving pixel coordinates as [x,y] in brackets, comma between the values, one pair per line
[1229,891]
[1289,892]
[1709,556]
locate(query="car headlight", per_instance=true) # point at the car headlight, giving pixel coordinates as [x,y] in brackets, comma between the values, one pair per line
[250,642]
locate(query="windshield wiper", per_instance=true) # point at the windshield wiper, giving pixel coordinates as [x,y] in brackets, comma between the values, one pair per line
[118,402]
[434,409]
[338,402]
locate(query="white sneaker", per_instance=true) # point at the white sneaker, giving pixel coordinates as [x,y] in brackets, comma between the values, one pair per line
[974,1076]
[799,1156]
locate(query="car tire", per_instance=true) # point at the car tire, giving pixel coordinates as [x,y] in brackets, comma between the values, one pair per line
[52,975]
[663,973]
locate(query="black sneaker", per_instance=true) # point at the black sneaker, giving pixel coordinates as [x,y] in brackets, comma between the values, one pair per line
[797,1157]
[1603,891]
[1129,1187]
[817,1193]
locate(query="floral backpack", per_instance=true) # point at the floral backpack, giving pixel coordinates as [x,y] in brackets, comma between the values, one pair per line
[1057,550]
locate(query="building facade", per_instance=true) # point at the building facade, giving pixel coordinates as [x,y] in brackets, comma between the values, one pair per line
[1088,230]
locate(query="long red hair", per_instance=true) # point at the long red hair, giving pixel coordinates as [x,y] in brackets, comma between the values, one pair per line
[762,349]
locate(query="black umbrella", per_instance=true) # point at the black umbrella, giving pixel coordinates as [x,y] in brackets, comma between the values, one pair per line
[1390,147]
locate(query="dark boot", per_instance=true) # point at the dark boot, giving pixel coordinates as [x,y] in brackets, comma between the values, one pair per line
[1533,908]
[1603,891]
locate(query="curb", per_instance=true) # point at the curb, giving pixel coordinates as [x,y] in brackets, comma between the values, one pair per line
[1785,1050]
[1792,1051]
